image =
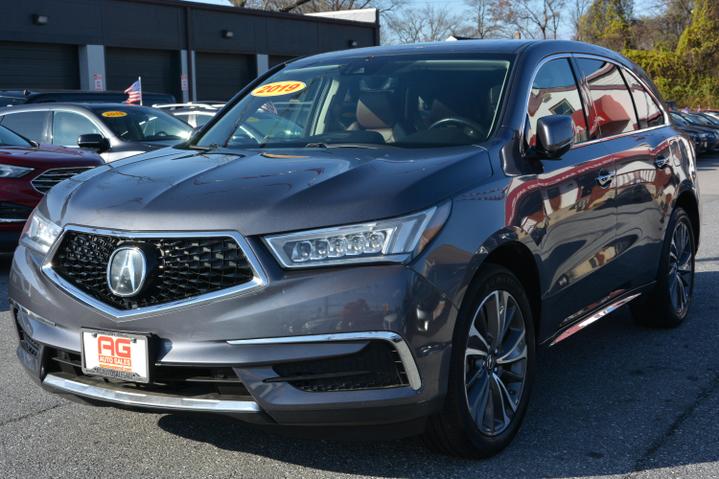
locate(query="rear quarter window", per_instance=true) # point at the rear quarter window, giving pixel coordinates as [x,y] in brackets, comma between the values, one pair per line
[612,109]
[30,124]
[648,112]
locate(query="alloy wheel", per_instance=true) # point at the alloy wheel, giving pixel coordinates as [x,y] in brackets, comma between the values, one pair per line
[495,362]
[681,269]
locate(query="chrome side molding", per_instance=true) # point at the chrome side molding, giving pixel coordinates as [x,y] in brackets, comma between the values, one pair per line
[405,355]
[147,400]
[578,326]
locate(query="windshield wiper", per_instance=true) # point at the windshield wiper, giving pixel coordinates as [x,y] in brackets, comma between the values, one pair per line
[343,145]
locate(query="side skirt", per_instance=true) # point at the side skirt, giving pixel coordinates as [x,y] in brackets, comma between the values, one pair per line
[594,316]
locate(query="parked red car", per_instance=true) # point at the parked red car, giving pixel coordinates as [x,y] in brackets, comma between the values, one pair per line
[27,172]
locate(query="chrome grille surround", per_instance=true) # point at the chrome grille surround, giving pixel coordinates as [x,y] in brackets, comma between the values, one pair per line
[258,280]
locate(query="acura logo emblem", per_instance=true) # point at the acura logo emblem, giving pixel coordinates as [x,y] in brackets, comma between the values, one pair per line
[126,271]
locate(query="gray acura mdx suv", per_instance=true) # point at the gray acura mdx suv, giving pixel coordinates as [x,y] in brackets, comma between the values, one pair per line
[379,236]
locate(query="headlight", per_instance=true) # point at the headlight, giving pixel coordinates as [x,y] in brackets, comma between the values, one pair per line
[40,233]
[12,171]
[393,240]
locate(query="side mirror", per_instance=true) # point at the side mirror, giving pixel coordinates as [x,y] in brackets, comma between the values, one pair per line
[94,141]
[555,135]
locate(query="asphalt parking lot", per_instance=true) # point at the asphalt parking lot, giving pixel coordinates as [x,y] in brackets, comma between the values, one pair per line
[617,400]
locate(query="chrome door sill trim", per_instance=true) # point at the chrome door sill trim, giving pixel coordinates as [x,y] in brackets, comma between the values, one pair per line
[259,279]
[578,326]
[148,400]
[405,355]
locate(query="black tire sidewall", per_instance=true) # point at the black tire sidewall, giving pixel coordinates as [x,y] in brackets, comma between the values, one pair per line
[479,444]
[663,299]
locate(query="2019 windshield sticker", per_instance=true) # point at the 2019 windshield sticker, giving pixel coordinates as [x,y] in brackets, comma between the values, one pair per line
[113,114]
[279,88]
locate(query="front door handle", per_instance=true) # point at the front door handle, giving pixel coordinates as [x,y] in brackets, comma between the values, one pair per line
[604,180]
[661,161]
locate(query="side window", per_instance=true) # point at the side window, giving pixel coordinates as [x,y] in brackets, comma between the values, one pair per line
[29,124]
[68,126]
[613,110]
[647,109]
[555,92]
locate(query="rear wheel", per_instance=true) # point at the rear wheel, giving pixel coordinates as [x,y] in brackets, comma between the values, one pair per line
[667,305]
[492,368]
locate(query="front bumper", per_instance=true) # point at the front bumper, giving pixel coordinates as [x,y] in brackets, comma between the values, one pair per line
[299,318]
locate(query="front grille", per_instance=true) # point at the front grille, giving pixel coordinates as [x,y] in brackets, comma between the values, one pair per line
[187,381]
[179,268]
[377,365]
[50,178]
[14,211]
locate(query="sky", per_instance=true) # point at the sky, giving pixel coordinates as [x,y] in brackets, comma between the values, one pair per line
[641,8]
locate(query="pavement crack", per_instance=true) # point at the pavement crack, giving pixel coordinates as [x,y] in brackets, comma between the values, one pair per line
[29,415]
[645,459]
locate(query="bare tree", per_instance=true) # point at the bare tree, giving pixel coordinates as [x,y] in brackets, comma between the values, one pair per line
[307,6]
[484,19]
[426,24]
[579,8]
[533,18]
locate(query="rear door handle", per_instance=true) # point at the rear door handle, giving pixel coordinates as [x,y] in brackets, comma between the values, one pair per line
[661,161]
[604,180]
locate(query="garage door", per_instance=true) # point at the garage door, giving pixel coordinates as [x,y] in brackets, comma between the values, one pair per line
[221,75]
[159,69]
[38,66]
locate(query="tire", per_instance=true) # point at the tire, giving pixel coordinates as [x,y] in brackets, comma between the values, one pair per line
[659,308]
[454,430]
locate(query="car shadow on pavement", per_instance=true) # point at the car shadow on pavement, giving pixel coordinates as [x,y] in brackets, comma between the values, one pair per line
[605,402]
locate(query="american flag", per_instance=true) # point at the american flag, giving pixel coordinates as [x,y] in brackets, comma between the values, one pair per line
[134,92]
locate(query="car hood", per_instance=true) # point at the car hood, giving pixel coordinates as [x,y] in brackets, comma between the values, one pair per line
[47,156]
[263,192]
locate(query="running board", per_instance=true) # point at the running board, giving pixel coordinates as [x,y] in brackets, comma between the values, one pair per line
[578,326]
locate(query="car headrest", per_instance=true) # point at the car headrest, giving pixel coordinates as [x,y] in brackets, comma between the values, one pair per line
[376,110]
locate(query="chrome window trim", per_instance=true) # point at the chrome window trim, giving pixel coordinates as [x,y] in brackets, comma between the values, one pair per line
[12,220]
[259,279]
[569,56]
[148,400]
[397,341]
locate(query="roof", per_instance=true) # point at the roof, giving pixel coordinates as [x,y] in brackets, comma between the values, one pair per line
[507,47]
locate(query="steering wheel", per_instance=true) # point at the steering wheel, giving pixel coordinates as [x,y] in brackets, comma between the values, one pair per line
[475,129]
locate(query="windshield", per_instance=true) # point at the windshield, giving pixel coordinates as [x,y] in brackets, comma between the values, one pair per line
[10,138]
[137,123]
[678,119]
[405,101]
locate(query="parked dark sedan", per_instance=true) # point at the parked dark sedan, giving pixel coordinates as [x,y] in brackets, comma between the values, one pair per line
[114,130]
[704,139]
[27,172]
[443,210]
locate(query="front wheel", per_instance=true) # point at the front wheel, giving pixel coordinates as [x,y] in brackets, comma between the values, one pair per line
[667,305]
[491,371]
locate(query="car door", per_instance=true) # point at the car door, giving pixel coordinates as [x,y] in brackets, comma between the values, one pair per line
[574,221]
[639,182]
[653,187]
[33,125]
[67,126]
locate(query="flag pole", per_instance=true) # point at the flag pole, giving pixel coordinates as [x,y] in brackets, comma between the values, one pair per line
[139,82]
